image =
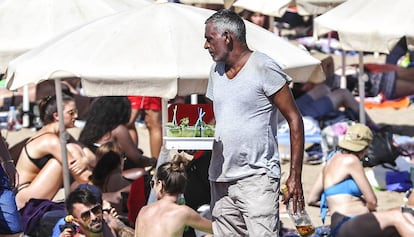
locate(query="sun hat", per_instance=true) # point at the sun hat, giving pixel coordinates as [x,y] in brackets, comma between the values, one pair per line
[356,138]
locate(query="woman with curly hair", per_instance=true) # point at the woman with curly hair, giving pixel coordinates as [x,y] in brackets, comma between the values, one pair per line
[106,121]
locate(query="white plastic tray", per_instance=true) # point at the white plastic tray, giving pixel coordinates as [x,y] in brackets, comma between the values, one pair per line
[189,143]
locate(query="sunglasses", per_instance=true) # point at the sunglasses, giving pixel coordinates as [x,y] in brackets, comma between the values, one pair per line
[152,182]
[96,210]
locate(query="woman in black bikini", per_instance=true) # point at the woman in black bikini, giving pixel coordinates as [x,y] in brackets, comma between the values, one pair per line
[40,161]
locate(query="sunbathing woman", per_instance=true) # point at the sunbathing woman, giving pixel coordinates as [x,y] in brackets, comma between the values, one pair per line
[169,182]
[106,121]
[350,197]
[40,161]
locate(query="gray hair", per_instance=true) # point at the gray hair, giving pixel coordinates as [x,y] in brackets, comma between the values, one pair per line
[225,20]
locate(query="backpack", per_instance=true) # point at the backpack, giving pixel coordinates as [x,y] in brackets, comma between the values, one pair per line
[382,150]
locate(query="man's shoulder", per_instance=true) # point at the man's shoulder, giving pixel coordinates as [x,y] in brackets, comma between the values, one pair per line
[264,58]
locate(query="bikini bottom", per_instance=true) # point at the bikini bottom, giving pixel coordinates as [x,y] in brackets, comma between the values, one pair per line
[21,187]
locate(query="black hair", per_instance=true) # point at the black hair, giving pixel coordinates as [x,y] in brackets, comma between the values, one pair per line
[104,115]
[106,164]
[80,195]
[48,106]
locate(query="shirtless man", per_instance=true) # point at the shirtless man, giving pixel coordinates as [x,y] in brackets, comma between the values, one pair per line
[88,215]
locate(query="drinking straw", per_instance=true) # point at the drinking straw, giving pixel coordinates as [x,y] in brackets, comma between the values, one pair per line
[175,116]
[200,117]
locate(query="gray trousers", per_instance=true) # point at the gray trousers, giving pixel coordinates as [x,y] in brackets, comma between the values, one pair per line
[247,207]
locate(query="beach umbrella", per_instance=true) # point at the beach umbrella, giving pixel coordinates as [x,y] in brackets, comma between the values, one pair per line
[368,26]
[226,3]
[279,7]
[156,50]
[26,24]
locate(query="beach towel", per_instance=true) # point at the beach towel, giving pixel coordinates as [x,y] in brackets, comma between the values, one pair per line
[34,210]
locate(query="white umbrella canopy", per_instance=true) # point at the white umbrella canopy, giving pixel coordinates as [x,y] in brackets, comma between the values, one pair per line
[154,51]
[226,3]
[266,7]
[278,7]
[371,26]
[316,7]
[26,24]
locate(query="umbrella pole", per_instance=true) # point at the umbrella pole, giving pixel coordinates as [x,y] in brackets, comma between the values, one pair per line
[62,132]
[164,116]
[361,88]
[342,82]
[26,106]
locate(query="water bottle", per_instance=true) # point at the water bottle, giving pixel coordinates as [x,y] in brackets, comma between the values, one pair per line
[12,122]
[181,201]
[301,220]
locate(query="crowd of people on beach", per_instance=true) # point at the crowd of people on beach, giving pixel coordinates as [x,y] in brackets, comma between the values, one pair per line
[111,178]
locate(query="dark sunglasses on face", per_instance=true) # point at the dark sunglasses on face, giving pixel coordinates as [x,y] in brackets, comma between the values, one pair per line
[96,210]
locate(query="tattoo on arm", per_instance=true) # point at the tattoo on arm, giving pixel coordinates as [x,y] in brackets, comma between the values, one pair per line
[120,228]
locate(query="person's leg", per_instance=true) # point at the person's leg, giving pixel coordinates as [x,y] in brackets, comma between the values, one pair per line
[403,88]
[45,185]
[344,98]
[137,103]
[227,218]
[405,74]
[374,224]
[257,198]
[131,125]
[402,222]
[153,123]
[319,91]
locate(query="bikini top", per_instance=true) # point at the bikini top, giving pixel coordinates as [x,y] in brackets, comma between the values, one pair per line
[347,186]
[38,162]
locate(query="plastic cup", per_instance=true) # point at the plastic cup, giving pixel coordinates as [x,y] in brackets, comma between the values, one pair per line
[189,131]
[207,132]
[174,132]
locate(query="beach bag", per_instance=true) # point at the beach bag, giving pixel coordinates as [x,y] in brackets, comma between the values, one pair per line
[382,150]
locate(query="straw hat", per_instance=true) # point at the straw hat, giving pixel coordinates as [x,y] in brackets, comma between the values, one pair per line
[357,138]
